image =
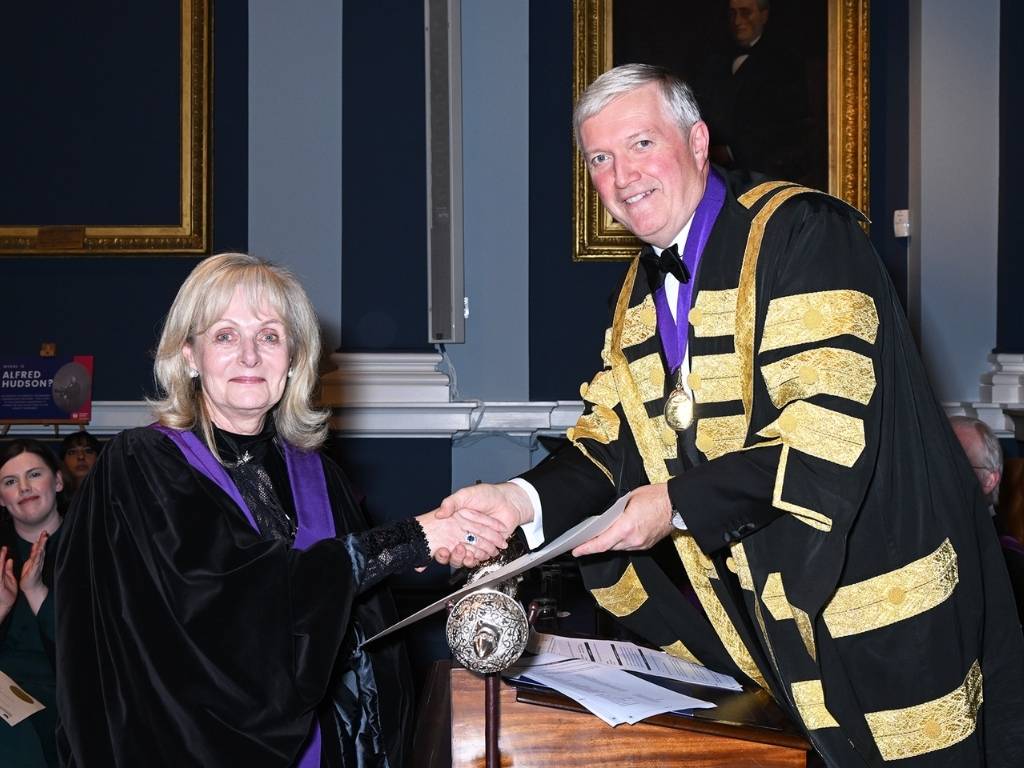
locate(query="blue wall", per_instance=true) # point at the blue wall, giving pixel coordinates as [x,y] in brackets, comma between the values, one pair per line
[568,300]
[384,244]
[889,150]
[1010,320]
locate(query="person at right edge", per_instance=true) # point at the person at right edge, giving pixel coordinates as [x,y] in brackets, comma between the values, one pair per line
[763,403]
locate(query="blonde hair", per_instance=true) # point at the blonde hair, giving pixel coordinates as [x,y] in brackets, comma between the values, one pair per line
[200,302]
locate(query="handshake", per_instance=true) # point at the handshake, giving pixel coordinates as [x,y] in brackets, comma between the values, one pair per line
[474,523]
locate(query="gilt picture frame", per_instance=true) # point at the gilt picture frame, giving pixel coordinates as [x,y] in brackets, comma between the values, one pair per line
[50,206]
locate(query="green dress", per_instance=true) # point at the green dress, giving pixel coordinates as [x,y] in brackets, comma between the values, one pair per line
[26,656]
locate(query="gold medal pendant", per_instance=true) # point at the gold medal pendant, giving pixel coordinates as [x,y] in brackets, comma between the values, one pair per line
[679,406]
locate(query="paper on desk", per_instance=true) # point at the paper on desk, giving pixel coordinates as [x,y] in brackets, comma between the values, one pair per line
[633,658]
[15,703]
[578,534]
[613,695]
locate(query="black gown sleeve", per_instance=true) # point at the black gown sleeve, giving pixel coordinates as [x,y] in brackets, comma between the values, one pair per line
[386,549]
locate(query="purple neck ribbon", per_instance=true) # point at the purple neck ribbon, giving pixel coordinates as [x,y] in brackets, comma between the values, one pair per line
[674,333]
[309,491]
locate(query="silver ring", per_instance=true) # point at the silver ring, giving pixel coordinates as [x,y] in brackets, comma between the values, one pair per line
[470,538]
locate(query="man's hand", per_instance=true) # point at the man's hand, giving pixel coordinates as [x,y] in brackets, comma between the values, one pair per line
[646,520]
[507,503]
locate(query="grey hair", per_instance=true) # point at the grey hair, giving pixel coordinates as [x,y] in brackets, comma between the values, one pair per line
[679,101]
[991,457]
[201,300]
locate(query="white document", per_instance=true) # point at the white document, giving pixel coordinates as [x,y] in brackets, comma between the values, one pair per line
[578,534]
[614,653]
[613,695]
[15,703]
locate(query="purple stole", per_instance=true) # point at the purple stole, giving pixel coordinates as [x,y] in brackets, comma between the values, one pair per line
[309,491]
[674,333]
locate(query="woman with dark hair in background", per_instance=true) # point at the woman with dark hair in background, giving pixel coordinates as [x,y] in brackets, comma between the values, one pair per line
[78,452]
[30,481]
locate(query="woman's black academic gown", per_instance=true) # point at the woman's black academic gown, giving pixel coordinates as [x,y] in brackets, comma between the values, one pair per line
[187,639]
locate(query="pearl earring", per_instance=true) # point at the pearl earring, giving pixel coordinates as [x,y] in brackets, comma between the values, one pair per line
[193,373]
[290,372]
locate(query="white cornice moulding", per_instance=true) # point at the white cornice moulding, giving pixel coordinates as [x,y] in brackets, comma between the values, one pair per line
[402,394]
[1001,390]
[369,419]
[445,420]
[380,394]
[384,377]
[1004,383]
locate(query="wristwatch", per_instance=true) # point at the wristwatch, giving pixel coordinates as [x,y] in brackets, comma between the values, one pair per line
[677,520]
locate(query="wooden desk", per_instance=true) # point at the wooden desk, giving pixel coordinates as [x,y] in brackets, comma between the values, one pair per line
[545,730]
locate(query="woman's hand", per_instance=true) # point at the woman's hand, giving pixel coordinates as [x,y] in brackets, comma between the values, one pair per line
[8,584]
[32,574]
[505,503]
[481,535]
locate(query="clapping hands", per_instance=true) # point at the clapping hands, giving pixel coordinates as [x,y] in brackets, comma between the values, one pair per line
[32,574]
[8,584]
[31,581]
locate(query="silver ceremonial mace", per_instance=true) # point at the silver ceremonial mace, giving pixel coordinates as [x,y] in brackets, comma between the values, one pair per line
[487,632]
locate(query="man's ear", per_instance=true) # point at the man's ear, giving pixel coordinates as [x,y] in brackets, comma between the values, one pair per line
[992,478]
[699,140]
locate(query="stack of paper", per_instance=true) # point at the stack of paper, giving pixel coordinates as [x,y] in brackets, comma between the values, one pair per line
[614,653]
[596,673]
[612,694]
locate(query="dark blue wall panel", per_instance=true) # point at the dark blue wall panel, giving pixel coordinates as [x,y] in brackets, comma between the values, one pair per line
[113,308]
[890,150]
[568,300]
[230,126]
[90,93]
[1010,320]
[384,241]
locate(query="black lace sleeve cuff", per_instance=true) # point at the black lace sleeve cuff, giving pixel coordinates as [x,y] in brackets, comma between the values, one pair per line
[387,549]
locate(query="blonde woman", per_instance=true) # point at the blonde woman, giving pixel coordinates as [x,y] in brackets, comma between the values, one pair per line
[216,576]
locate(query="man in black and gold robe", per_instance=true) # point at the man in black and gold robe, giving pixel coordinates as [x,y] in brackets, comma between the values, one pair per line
[765,406]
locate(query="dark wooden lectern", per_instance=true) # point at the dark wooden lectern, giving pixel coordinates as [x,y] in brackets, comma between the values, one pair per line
[560,733]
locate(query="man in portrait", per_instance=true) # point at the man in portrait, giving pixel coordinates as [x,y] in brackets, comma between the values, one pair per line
[762,401]
[754,98]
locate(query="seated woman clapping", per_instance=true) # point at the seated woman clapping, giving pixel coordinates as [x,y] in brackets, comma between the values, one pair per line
[216,576]
[30,483]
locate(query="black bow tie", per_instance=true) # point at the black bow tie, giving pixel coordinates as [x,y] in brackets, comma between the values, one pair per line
[668,263]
